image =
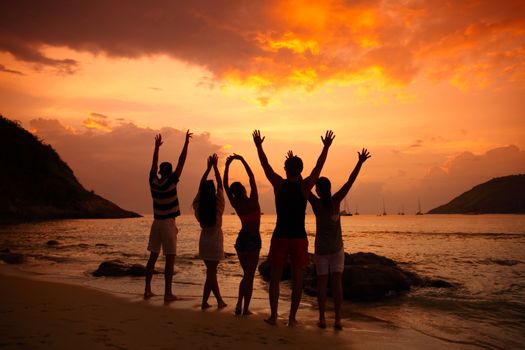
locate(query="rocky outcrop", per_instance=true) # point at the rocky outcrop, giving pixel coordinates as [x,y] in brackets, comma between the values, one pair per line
[367,277]
[36,184]
[118,268]
[501,195]
[10,257]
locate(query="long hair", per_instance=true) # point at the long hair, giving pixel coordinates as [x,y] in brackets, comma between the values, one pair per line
[324,188]
[207,204]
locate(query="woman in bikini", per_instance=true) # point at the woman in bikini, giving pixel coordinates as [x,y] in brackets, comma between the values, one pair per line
[248,243]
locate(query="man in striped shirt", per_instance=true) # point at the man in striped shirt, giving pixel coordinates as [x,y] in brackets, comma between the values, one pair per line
[165,209]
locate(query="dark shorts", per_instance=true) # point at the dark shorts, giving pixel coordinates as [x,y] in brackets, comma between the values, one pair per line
[295,248]
[246,243]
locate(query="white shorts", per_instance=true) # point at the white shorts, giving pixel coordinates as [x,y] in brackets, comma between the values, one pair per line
[330,262]
[163,233]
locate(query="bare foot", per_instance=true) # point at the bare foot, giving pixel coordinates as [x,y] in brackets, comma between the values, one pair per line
[238,310]
[221,304]
[292,322]
[170,297]
[247,313]
[148,294]
[338,326]
[271,321]
[205,306]
[321,324]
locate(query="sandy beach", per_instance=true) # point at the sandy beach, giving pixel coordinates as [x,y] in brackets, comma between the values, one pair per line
[40,314]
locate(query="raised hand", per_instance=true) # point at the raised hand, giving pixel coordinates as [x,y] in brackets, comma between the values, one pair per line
[210,162]
[363,155]
[289,155]
[328,138]
[158,140]
[214,159]
[257,137]
[188,135]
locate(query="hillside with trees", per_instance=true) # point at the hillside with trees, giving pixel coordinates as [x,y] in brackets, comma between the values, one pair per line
[501,195]
[36,184]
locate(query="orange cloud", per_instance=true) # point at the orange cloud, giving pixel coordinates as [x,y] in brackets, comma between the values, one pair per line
[286,44]
[97,122]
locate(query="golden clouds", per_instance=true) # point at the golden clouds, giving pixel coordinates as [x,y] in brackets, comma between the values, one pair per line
[97,121]
[299,44]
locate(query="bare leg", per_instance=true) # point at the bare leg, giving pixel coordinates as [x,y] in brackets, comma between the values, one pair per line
[275,279]
[207,289]
[211,277]
[242,261]
[297,293]
[150,267]
[322,281]
[249,265]
[253,261]
[168,278]
[337,290]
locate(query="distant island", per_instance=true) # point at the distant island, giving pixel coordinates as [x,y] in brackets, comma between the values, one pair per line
[501,195]
[36,184]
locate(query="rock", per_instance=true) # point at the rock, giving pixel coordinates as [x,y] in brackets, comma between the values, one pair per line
[12,258]
[372,282]
[118,268]
[265,270]
[367,277]
[52,242]
[361,258]
[437,283]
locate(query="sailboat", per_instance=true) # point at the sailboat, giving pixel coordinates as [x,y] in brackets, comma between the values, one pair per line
[384,210]
[345,211]
[402,211]
[419,207]
[356,212]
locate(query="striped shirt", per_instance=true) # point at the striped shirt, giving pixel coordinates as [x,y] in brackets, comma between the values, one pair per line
[164,194]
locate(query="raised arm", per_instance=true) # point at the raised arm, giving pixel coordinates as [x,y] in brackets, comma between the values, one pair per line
[268,171]
[226,183]
[207,172]
[155,161]
[251,177]
[215,160]
[310,181]
[341,194]
[183,153]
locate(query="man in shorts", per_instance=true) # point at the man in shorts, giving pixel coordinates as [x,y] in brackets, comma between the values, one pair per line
[289,236]
[165,209]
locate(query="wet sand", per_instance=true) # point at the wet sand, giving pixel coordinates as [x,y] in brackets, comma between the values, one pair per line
[38,314]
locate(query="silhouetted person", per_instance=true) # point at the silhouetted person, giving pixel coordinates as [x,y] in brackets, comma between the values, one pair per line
[248,243]
[289,236]
[165,209]
[209,206]
[329,251]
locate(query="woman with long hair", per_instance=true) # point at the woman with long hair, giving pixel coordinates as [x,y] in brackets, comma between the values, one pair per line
[329,251]
[209,206]
[248,243]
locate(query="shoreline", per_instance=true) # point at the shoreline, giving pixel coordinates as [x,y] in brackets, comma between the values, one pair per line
[53,315]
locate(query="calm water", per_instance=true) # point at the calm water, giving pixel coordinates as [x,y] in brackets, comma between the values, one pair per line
[484,255]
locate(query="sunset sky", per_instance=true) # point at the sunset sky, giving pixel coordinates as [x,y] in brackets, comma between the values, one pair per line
[434,89]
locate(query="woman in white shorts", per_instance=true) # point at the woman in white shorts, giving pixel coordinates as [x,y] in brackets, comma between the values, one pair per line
[209,206]
[329,251]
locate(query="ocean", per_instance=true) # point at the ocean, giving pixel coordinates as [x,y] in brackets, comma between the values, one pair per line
[483,255]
